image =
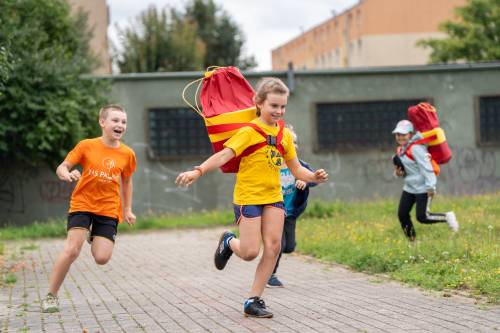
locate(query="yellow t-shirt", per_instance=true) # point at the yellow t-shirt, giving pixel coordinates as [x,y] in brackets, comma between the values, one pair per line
[258,178]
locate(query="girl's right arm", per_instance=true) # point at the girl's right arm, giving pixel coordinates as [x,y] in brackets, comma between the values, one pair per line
[213,162]
[64,174]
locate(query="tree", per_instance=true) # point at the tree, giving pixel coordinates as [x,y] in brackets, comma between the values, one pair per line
[5,66]
[223,38]
[476,37]
[199,36]
[45,104]
[160,41]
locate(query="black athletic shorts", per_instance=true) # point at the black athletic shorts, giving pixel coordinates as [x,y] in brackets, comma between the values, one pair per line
[98,225]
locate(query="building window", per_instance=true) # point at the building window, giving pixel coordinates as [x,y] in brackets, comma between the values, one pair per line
[359,125]
[177,132]
[489,120]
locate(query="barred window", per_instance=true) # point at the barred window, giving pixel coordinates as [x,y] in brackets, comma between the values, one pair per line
[489,120]
[355,125]
[177,132]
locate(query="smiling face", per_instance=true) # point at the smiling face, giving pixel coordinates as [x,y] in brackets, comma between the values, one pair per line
[402,139]
[273,108]
[113,123]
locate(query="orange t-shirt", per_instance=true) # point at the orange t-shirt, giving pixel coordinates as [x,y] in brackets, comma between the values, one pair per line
[98,190]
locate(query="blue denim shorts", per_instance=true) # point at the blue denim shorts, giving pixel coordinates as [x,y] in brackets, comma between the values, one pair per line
[250,211]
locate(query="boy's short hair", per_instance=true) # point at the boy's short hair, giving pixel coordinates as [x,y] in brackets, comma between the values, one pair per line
[103,112]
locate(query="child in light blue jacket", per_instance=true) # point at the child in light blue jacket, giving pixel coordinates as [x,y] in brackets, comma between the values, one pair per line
[413,162]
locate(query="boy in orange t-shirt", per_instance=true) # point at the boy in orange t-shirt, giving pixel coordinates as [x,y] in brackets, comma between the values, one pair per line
[96,204]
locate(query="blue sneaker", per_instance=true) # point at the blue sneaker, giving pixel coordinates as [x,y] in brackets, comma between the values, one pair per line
[223,251]
[274,282]
[255,307]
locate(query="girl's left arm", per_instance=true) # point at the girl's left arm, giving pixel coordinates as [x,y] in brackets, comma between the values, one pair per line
[299,172]
[128,189]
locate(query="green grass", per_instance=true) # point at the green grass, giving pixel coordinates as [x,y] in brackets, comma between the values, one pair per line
[57,227]
[367,237]
[10,278]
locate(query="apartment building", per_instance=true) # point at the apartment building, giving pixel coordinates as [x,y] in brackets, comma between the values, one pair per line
[98,21]
[371,33]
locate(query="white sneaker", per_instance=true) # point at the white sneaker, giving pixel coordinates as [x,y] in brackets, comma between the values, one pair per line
[50,304]
[451,219]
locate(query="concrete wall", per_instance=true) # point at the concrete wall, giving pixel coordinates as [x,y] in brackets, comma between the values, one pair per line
[26,196]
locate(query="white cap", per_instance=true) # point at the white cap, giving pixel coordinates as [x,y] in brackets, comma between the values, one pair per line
[403,127]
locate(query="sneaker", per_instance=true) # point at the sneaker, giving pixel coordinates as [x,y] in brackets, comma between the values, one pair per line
[451,219]
[223,251]
[50,304]
[255,307]
[274,282]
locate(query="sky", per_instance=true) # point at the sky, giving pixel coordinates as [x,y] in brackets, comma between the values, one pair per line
[266,24]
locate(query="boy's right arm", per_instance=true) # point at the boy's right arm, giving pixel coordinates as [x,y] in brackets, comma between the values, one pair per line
[64,173]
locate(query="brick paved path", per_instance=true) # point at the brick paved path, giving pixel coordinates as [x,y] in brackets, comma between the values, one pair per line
[166,282]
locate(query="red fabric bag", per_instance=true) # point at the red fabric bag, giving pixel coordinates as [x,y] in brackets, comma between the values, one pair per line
[425,120]
[225,90]
[226,106]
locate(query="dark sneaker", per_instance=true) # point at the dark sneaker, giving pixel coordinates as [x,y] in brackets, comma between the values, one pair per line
[223,251]
[274,282]
[255,307]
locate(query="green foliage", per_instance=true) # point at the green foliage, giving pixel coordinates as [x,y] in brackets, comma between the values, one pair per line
[10,278]
[475,37]
[159,41]
[368,237]
[223,38]
[45,105]
[5,66]
[171,40]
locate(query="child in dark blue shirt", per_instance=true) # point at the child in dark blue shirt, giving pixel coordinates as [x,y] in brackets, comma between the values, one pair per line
[295,194]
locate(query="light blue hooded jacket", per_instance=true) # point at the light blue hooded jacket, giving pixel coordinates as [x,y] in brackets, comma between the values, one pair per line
[420,177]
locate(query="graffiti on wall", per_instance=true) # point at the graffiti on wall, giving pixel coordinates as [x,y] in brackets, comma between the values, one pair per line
[55,190]
[11,191]
[471,171]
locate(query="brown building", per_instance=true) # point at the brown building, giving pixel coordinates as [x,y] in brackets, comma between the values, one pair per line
[371,33]
[98,21]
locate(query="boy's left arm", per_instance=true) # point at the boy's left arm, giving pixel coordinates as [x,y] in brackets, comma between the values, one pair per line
[128,189]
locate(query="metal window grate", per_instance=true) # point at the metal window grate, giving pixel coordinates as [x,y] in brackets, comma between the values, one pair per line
[177,132]
[489,120]
[357,125]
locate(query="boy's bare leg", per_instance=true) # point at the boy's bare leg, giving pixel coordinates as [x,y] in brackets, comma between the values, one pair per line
[272,230]
[248,245]
[102,249]
[74,241]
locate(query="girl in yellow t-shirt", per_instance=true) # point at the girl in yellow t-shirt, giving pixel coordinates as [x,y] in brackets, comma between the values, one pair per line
[258,200]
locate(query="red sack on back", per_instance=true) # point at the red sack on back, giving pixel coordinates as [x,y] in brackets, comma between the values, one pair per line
[225,90]
[425,120]
[423,116]
[227,105]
